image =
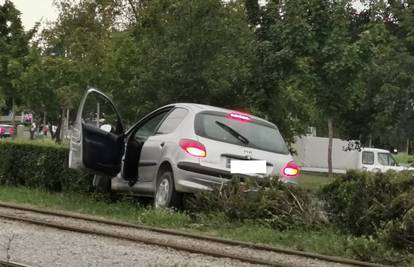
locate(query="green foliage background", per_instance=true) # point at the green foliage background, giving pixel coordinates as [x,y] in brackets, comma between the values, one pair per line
[296,63]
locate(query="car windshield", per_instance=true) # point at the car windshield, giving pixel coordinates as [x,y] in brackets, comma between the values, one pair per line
[386,159]
[255,134]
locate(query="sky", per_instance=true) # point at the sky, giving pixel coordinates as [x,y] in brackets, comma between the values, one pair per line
[35,10]
[43,10]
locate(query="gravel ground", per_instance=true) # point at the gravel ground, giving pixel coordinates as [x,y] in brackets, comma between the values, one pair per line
[42,246]
[64,248]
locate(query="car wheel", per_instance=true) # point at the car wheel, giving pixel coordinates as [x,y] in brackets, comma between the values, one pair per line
[165,194]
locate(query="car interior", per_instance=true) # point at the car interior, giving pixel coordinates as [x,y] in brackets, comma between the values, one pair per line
[134,144]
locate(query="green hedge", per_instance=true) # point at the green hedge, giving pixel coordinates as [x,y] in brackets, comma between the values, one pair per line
[40,166]
[373,204]
[271,203]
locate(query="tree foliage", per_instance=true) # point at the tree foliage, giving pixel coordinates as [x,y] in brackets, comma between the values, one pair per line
[296,63]
[13,52]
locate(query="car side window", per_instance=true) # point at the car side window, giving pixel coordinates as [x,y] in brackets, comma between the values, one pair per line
[367,157]
[148,128]
[172,121]
[386,159]
[99,112]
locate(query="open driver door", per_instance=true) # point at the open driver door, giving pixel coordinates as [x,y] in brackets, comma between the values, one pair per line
[97,141]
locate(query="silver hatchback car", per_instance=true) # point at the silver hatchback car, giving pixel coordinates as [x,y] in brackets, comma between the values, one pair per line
[178,148]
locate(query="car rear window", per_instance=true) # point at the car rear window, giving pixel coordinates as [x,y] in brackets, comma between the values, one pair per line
[259,134]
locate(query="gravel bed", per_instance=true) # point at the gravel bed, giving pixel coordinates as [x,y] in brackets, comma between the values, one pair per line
[43,246]
[279,258]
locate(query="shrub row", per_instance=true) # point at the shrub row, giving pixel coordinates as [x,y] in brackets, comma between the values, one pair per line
[380,205]
[274,204]
[373,204]
[271,203]
[40,166]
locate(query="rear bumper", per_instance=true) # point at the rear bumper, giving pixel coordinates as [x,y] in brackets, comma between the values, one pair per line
[191,177]
[199,169]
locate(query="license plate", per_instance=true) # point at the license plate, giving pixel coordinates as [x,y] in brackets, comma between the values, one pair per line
[248,166]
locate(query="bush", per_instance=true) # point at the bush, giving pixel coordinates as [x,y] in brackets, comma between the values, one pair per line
[400,232]
[274,204]
[375,204]
[40,166]
[372,249]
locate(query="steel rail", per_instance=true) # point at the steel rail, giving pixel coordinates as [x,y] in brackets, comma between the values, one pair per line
[207,252]
[89,218]
[11,264]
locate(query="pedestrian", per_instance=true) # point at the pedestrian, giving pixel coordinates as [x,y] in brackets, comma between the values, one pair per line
[32,130]
[53,131]
[45,129]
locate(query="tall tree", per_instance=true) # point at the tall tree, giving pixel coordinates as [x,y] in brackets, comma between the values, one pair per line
[183,51]
[70,57]
[385,112]
[278,86]
[308,50]
[13,51]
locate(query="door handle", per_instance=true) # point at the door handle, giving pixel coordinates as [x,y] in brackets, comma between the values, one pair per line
[162,144]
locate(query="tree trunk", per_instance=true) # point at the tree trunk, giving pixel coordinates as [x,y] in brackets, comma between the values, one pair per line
[407,148]
[13,113]
[330,136]
[67,119]
[58,134]
[65,124]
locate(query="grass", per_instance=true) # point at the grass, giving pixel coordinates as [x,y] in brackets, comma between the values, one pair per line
[313,181]
[325,241]
[131,211]
[404,158]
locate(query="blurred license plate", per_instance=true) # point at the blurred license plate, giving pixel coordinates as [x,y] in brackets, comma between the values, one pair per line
[247,166]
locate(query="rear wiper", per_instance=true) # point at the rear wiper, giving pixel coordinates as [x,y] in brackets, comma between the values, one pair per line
[233,132]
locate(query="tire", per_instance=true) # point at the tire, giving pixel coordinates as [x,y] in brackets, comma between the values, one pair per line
[165,194]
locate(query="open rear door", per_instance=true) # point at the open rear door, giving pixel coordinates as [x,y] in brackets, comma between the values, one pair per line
[97,140]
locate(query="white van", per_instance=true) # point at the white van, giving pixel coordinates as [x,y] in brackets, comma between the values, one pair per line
[312,155]
[378,160]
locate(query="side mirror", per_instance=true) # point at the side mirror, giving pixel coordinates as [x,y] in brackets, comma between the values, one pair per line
[106,127]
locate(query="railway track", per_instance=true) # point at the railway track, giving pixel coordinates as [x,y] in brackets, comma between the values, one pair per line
[11,264]
[178,240]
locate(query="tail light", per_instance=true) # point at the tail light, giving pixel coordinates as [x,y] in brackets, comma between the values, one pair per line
[193,148]
[239,116]
[291,169]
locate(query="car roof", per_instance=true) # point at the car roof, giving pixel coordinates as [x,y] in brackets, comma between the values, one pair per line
[375,149]
[202,107]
